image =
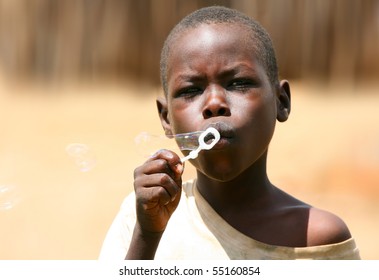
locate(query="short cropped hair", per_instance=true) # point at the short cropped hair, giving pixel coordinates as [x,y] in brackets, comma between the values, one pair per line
[262,43]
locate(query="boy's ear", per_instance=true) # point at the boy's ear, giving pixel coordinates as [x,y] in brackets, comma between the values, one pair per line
[163,114]
[283,101]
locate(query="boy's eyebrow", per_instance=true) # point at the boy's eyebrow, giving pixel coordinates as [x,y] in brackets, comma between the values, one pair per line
[230,71]
[188,77]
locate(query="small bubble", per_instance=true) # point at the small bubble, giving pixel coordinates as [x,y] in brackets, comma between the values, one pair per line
[83,157]
[9,197]
[147,144]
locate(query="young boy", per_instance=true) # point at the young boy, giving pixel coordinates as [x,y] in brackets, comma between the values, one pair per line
[218,69]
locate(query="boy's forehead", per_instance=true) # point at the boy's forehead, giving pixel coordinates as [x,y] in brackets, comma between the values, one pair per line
[205,35]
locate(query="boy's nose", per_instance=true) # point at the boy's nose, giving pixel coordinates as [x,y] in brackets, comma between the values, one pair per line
[216,103]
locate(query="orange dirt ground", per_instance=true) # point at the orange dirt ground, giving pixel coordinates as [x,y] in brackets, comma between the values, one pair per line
[326,154]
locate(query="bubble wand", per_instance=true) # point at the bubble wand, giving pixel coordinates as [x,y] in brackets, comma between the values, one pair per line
[202,145]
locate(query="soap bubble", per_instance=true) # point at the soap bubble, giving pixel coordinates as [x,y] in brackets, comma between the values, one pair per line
[83,157]
[9,197]
[148,144]
[188,141]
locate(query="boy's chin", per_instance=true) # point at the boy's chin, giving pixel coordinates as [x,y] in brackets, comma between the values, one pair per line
[220,174]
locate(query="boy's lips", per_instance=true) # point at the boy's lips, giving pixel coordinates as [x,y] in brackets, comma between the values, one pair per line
[225,129]
[227,133]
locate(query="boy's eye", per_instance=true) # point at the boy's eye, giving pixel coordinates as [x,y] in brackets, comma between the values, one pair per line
[189,92]
[241,84]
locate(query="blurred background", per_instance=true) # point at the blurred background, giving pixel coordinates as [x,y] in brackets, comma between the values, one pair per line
[78,82]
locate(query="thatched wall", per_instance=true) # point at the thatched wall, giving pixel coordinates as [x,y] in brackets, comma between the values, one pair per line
[101,39]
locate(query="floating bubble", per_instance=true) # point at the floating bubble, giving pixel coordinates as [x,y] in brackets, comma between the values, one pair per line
[9,197]
[83,157]
[147,144]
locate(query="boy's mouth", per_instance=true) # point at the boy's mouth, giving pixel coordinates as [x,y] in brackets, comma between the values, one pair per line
[225,129]
[226,132]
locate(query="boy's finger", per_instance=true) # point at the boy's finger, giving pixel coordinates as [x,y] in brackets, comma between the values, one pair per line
[161,180]
[171,158]
[157,166]
[149,197]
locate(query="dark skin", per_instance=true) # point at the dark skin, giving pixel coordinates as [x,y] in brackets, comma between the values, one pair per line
[216,80]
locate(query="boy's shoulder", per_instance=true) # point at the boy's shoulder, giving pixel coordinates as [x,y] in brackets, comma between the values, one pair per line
[310,226]
[325,228]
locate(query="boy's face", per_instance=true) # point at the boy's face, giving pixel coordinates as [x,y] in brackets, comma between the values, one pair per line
[214,79]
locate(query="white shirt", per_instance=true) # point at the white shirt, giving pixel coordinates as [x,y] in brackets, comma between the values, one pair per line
[195,231]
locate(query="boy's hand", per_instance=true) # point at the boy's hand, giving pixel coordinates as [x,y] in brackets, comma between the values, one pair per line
[157,185]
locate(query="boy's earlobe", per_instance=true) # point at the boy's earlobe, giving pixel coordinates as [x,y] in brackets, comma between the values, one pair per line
[163,114]
[283,101]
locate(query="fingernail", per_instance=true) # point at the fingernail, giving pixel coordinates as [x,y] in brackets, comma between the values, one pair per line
[179,167]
